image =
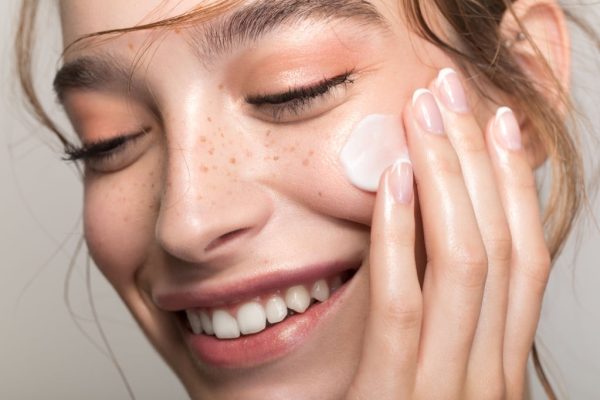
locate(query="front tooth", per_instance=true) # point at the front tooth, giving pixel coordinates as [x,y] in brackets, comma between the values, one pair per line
[194,320]
[225,326]
[297,298]
[320,290]
[207,326]
[276,309]
[251,318]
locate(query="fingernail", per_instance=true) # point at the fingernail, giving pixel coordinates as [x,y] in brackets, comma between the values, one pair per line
[400,181]
[452,91]
[372,147]
[507,129]
[427,112]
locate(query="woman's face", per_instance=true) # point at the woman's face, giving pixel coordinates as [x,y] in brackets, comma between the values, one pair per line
[223,195]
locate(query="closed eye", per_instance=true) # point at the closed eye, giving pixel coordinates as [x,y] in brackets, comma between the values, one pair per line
[297,100]
[103,149]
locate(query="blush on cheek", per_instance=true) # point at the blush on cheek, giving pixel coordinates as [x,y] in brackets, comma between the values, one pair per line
[118,231]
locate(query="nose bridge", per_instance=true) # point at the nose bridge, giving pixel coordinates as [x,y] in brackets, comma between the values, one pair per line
[206,208]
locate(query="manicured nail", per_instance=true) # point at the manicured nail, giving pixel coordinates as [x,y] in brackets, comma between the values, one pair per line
[401,181]
[427,112]
[452,91]
[507,129]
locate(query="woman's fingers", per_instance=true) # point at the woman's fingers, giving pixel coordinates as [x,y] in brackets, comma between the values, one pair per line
[468,140]
[457,261]
[531,260]
[388,363]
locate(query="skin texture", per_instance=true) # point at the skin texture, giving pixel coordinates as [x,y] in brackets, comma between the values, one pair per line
[159,214]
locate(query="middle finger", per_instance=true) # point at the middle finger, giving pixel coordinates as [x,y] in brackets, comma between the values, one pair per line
[457,262]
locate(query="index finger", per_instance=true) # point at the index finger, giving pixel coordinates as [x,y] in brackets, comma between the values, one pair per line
[389,358]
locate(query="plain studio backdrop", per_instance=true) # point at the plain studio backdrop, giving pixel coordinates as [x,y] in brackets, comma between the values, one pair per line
[48,351]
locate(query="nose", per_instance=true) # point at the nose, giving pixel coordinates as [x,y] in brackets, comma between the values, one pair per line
[208,211]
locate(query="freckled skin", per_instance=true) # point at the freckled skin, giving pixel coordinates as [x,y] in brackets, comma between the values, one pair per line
[193,184]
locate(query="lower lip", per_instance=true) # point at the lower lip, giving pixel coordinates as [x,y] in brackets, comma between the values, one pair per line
[271,344]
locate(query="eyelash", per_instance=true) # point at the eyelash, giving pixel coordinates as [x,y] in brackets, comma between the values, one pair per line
[103,150]
[296,100]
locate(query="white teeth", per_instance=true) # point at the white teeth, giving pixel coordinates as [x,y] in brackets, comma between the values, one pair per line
[297,298]
[194,321]
[320,290]
[225,326]
[276,310]
[336,283]
[251,318]
[206,323]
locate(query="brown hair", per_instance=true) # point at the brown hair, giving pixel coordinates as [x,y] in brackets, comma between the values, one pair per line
[479,51]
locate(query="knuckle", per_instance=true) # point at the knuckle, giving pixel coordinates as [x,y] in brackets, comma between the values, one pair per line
[469,143]
[499,249]
[392,237]
[402,314]
[444,162]
[469,268]
[537,268]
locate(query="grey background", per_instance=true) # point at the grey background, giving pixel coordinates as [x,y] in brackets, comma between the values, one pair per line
[44,355]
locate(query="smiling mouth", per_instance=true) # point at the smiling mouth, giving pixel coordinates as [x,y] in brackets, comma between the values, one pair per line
[262,312]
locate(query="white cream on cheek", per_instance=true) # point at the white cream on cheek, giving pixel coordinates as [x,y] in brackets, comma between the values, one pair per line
[375,143]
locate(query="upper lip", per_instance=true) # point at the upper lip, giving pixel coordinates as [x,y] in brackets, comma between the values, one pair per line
[207,294]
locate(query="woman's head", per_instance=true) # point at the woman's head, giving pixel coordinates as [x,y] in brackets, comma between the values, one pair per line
[212,137]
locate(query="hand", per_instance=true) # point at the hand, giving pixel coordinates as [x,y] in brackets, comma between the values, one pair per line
[468,332]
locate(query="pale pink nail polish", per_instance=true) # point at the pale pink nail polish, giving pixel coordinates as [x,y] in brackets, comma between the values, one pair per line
[427,112]
[451,91]
[507,129]
[401,182]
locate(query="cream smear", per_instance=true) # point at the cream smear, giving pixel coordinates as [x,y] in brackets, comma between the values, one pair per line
[376,143]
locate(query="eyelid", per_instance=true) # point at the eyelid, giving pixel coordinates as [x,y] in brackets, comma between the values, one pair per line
[106,146]
[310,91]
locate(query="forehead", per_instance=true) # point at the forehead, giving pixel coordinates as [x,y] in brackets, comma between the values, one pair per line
[83,17]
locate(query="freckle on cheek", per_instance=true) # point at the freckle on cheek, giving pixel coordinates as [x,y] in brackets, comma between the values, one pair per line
[306,163]
[203,139]
[204,168]
[209,119]
[232,160]
[211,151]
[275,158]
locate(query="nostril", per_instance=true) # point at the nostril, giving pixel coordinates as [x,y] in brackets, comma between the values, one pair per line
[221,240]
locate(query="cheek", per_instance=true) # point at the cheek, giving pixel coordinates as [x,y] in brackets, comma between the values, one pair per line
[304,167]
[119,220]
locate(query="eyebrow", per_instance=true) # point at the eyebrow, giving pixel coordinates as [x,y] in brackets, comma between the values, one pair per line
[245,25]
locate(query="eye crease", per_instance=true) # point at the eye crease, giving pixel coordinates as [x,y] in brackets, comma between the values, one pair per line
[296,100]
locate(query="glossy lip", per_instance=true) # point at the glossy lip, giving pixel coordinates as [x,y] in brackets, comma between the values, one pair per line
[271,344]
[208,295]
